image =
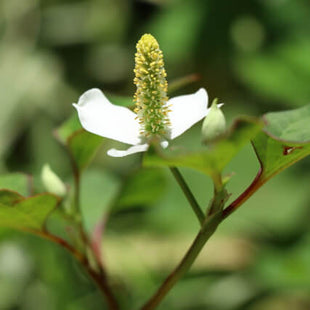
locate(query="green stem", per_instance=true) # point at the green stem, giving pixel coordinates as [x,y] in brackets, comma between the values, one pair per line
[188,194]
[220,195]
[76,208]
[202,237]
[217,182]
[209,225]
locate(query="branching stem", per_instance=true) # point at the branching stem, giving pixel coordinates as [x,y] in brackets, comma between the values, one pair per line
[209,225]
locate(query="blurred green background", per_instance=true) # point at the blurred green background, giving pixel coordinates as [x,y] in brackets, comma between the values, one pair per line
[254,55]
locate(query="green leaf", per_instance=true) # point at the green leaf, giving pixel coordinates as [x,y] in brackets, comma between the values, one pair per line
[71,125]
[8,197]
[80,144]
[212,159]
[83,146]
[18,182]
[98,189]
[142,188]
[28,214]
[284,141]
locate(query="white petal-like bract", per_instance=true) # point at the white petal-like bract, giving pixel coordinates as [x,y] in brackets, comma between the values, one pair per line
[132,150]
[99,116]
[187,110]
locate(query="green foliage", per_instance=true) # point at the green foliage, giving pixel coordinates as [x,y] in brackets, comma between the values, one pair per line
[28,214]
[213,159]
[98,189]
[80,144]
[18,182]
[9,198]
[143,188]
[284,141]
[71,46]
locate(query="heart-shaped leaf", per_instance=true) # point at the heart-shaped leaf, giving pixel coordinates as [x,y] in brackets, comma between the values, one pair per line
[28,214]
[284,140]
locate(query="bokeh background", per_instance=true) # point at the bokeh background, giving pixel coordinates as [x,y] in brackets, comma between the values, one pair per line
[254,55]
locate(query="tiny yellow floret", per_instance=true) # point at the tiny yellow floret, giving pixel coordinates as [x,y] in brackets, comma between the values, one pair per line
[151,95]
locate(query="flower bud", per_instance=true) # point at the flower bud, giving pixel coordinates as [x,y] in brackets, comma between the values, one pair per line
[51,182]
[214,124]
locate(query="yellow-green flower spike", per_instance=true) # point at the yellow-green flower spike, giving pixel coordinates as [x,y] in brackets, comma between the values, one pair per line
[151,95]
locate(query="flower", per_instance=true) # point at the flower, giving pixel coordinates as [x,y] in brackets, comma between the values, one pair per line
[99,116]
[154,116]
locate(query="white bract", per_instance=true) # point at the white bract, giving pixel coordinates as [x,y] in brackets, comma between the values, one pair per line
[99,116]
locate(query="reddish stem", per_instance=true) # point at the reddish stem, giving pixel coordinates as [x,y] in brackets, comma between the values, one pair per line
[99,278]
[253,187]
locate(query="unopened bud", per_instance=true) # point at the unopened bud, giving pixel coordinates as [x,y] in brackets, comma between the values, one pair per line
[214,124]
[51,182]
